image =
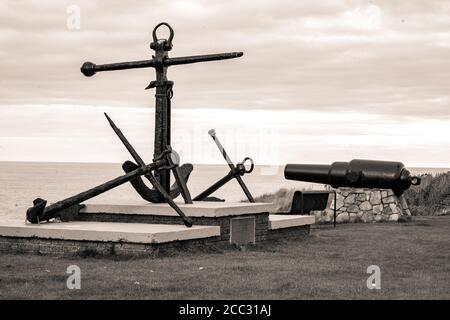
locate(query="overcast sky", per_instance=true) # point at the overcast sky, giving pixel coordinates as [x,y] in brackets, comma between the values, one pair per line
[319,80]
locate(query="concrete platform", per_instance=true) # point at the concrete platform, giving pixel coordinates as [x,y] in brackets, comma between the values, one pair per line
[197,209]
[108,232]
[279,221]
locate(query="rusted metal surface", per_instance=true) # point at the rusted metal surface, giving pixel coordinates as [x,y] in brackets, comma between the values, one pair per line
[180,180]
[147,193]
[164,92]
[41,212]
[153,195]
[165,159]
[90,68]
[236,172]
[172,161]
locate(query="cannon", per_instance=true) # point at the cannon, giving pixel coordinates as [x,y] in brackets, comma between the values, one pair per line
[356,174]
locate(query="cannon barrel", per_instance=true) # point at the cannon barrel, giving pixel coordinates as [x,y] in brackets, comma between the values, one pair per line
[356,173]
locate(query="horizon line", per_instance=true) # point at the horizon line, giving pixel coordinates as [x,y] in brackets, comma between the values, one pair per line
[210,164]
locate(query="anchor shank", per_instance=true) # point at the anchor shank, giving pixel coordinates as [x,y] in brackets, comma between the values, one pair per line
[162,116]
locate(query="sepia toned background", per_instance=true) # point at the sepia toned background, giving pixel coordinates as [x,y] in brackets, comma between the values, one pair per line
[318,82]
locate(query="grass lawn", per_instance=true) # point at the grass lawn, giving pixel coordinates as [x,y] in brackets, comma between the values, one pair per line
[414,259]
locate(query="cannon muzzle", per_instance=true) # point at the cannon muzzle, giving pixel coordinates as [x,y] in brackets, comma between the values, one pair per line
[356,173]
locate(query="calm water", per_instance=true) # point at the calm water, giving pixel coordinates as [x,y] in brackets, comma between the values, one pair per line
[21,182]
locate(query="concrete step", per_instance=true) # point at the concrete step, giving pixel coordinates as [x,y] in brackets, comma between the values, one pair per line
[108,231]
[281,221]
[197,209]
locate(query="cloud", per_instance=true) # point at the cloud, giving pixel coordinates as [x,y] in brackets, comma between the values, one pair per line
[382,59]
[74,133]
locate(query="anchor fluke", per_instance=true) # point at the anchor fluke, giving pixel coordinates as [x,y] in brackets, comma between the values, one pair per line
[35,213]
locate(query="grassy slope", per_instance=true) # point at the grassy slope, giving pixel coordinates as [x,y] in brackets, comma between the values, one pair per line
[424,199]
[282,199]
[331,263]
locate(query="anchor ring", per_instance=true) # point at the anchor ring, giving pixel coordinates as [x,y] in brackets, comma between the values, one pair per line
[242,166]
[169,41]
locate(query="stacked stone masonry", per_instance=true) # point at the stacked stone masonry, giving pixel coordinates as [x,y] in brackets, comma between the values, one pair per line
[364,205]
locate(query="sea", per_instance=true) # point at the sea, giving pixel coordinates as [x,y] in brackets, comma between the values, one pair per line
[22,182]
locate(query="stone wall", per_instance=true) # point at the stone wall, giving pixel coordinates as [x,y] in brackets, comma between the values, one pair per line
[59,247]
[297,233]
[364,205]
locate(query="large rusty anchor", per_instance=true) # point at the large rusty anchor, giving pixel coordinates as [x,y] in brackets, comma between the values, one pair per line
[160,62]
[236,172]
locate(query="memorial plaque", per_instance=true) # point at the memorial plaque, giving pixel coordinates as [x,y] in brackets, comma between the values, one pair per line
[242,230]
